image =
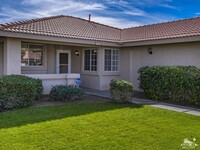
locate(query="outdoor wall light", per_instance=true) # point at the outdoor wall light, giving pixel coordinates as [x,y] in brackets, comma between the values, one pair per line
[77,53]
[150,50]
[95,51]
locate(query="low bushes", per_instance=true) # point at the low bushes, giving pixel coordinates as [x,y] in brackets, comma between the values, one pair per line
[175,83]
[18,91]
[65,93]
[121,91]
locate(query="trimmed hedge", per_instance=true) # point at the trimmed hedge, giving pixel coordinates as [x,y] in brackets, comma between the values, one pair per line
[174,83]
[65,92]
[18,91]
[121,91]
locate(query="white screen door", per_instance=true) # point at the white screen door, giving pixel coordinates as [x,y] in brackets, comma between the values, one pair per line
[63,62]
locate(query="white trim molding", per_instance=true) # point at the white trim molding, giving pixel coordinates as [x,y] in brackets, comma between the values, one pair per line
[110,73]
[83,42]
[89,72]
[42,68]
[58,60]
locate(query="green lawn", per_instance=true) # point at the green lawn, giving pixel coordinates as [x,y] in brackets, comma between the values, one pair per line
[96,126]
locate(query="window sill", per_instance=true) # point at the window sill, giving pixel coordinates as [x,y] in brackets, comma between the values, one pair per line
[111,73]
[33,67]
[89,72]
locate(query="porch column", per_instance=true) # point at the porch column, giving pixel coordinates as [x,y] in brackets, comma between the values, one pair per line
[12,56]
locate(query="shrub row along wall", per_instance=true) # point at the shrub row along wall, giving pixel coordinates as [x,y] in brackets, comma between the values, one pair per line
[65,92]
[175,83]
[18,91]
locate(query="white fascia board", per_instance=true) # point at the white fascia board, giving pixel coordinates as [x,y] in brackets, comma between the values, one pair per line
[163,41]
[57,39]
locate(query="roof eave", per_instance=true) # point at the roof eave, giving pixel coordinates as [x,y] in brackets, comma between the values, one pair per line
[83,42]
[163,41]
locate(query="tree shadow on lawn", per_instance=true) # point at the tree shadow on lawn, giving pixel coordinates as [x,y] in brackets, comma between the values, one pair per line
[33,115]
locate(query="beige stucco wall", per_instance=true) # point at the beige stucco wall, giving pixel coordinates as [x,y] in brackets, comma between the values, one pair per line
[163,55]
[105,81]
[49,80]
[95,80]
[1,58]
[131,59]
[98,79]
[12,56]
[49,63]
[125,57]
[76,60]
[51,59]
[90,81]
[107,76]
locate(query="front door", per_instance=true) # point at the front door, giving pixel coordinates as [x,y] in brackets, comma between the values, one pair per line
[63,62]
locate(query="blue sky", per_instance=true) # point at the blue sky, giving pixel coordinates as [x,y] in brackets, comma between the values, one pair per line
[118,13]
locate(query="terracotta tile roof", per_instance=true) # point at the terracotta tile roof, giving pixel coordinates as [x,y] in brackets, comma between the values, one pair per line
[65,26]
[173,29]
[72,27]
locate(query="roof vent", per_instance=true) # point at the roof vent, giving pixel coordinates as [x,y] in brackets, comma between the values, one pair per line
[89,19]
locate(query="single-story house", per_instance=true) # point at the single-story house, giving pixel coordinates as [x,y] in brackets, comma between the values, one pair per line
[60,49]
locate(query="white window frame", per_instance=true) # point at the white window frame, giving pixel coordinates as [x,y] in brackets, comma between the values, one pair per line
[43,53]
[58,61]
[90,49]
[118,60]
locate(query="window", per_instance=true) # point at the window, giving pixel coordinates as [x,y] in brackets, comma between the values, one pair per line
[90,60]
[31,54]
[111,60]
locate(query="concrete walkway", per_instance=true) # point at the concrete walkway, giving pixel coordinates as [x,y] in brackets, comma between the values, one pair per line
[157,104]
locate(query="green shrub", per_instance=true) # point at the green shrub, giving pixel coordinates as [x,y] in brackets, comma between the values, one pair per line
[38,86]
[175,83]
[66,92]
[18,91]
[121,90]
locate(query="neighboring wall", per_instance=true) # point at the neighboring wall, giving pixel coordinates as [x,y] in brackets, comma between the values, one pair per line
[1,58]
[164,55]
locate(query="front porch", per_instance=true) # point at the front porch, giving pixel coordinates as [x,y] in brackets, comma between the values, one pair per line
[53,63]
[49,80]
[60,63]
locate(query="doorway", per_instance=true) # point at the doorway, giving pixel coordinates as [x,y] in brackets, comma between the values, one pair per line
[63,64]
